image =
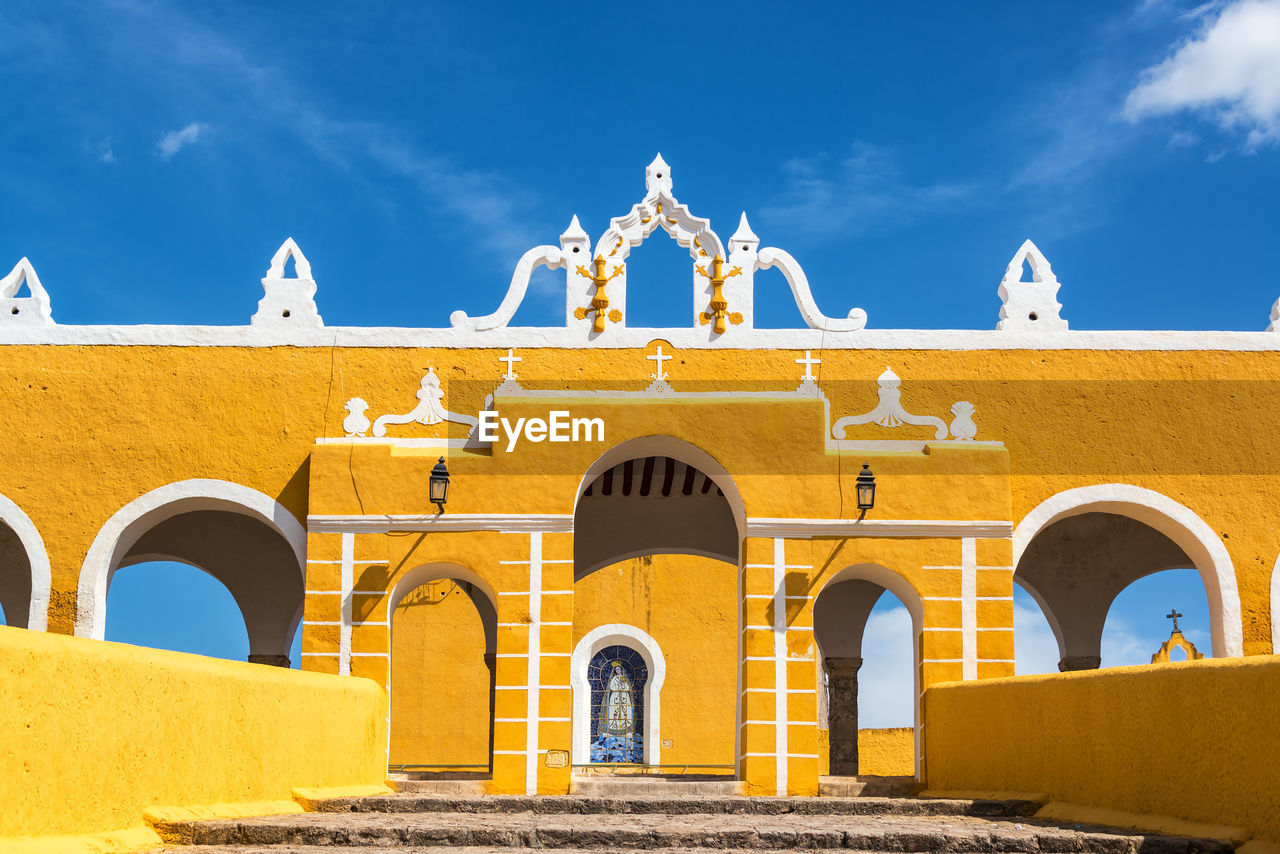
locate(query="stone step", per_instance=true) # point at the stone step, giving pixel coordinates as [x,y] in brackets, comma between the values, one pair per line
[592,832]
[464,788]
[628,786]
[687,805]
[868,786]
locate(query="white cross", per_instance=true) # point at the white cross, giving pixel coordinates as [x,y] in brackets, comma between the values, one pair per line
[808,361]
[511,358]
[661,375]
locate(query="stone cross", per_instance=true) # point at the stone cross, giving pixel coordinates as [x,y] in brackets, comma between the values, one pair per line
[1174,615]
[658,359]
[808,361]
[511,358]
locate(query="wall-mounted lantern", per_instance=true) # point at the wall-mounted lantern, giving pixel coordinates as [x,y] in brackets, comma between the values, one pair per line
[439,485]
[866,489]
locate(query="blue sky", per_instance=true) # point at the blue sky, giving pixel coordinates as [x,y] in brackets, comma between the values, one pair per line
[153,155]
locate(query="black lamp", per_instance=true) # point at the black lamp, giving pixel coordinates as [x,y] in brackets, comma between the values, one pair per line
[439,486]
[866,489]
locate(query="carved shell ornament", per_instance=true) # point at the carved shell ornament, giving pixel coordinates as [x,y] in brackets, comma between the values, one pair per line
[889,412]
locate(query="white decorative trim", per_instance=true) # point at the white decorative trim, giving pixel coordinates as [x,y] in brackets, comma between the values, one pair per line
[1030,306]
[942,528]
[780,662]
[348,582]
[888,411]
[771,257]
[510,523]
[37,558]
[1176,521]
[430,409]
[530,337]
[130,522]
[969,607]
[591,643]
[551,256]
[288,303]
[1275,317]
[534,664]
[31,312]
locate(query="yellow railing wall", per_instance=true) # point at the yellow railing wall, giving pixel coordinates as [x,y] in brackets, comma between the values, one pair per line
[1196,741]
[94,733]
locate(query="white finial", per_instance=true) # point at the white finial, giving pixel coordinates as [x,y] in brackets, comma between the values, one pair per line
[1030,306]
[32,310]
[301,266]
[574,231]
[657,176]
[356,423]
[888,379]
[1275,316]
[744,237]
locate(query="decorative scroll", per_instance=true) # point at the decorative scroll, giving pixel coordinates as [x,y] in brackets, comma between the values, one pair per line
[430,410]
[889,411]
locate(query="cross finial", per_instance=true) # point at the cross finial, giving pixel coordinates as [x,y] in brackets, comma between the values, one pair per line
[1174,615]
[659,375]
[511,358]
[808,361]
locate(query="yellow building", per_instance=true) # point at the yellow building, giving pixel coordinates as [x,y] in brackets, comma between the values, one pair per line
[651,550]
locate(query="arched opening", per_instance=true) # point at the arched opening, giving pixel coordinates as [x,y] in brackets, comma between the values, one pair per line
[24,570]
[1140,619]
[656,545]
[442,673]
[199,615]
[242,538]
[1076,553]
[660,283]
[617,672]
[868,608]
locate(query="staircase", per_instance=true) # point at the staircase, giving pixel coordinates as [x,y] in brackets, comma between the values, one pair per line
[681,824]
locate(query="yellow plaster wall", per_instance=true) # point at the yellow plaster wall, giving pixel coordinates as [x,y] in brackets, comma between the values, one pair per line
[689,605]
[94,733]
[887,752]
[439,680]
[1194,740]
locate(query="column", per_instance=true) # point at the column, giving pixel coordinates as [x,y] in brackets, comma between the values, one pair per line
[842,713]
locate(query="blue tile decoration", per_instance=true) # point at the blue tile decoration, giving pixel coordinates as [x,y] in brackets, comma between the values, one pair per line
[617,675]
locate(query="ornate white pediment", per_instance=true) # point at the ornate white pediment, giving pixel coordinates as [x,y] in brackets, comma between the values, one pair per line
[33,310]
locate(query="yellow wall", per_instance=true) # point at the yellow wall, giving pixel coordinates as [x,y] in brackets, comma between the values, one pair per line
[92,733]
[439,681]
[689,605]
[1195,740]
[887,752]
[250,415]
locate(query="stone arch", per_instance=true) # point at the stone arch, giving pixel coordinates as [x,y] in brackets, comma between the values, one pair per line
[875,576]
[1177,524]
[712,528]
[591,643]
[482,597]
[236,534]
[34,594]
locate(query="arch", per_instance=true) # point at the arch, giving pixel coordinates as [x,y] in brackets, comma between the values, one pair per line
[676,449]
[38,562]
[123,530]
[591,643]
[484,599]
[905,591]
[1175,521]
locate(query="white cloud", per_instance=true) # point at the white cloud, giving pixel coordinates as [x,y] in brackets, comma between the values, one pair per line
[173,141]
[1035,649]
[1229,71]
[886,682]
[104,152]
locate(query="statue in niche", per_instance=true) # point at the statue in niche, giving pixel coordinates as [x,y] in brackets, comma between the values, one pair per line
[617,709]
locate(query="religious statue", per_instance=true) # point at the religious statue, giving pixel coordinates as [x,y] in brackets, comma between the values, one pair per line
[617,708]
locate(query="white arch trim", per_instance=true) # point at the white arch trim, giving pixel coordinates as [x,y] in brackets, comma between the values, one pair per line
[137,517]
[907,594]
[1177,522]
[676,449]
[38,558]
[594,641]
